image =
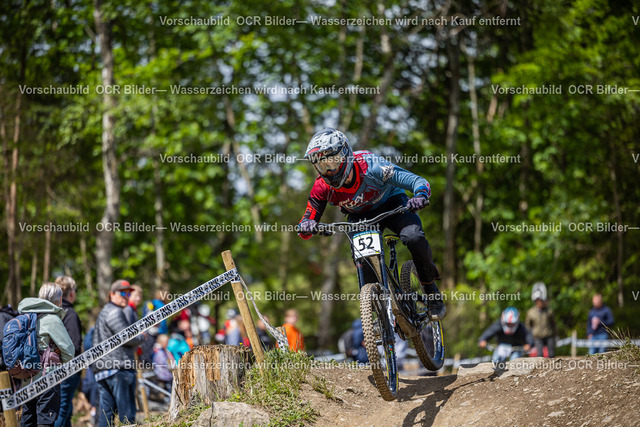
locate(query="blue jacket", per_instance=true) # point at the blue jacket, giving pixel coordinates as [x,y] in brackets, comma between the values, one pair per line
[606,318]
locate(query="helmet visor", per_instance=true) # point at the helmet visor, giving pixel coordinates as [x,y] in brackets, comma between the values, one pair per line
[330,165]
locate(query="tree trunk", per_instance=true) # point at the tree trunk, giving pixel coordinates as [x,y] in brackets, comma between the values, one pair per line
[206,374]
[244,172]
[619,232]
[34,273]
[330,277]
[11,156]
[85,264]
[159,243]
[387,77]
[449,220]
[477,210]
[104,244]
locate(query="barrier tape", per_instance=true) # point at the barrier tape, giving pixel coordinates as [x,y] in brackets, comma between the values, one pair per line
[80,362]
[281,338]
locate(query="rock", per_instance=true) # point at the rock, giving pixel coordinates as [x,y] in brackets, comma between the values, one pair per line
[556,414]
[518,367]
[477,369]
[223,414]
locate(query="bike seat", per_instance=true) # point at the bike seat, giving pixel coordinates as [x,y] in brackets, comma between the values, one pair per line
[391,238]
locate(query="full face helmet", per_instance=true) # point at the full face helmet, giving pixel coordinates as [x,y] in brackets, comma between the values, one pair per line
[509,320]
[330,153]
[539,291]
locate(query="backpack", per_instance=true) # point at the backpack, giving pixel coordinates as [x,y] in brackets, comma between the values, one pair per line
[20,346]
[6,313]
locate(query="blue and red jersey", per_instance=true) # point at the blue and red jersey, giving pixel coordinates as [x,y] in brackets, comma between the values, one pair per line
[376,180]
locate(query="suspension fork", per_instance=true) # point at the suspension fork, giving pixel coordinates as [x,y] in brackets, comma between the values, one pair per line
[391,241]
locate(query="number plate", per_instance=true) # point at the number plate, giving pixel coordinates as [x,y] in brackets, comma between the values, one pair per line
[366,244]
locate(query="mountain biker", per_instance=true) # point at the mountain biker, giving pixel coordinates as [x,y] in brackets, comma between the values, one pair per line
[509,331]
[364,185]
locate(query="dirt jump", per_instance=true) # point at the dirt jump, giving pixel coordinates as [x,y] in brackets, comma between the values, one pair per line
[529,391]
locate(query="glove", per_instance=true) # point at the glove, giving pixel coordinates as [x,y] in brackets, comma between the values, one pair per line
[416,203]
[307,227]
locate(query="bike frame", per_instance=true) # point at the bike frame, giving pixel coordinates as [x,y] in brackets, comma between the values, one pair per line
[389,279]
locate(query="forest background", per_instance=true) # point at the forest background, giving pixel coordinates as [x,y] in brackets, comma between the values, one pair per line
[435,85]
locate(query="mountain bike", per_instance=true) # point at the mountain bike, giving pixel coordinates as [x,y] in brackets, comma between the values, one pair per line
[394,304]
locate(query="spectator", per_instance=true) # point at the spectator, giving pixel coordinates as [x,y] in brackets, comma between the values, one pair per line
[52,336]
[232,333]
[294,336]
[359,351]
[204,322]
[177,345]
[600,316]
[263,335]
[131,310]
[89,384]
[163,360]
[74,328]
[542,324]
[115,372]
[159,301]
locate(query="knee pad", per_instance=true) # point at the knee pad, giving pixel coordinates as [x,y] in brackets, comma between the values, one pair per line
[412,235]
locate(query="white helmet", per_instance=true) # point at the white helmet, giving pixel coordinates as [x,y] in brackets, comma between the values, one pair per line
[539,291]
[330,153]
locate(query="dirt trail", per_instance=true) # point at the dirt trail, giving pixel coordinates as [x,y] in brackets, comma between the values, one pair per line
[535,391]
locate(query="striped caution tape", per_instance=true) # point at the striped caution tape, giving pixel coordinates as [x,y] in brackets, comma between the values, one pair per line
[80,362]
[281,338]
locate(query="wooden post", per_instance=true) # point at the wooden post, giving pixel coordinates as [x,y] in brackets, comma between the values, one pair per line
[9,414]
[456,361]
[256,344]
[574,341]
[141,390]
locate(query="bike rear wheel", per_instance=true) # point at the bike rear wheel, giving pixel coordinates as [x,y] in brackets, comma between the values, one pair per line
[378,332]
[429,342]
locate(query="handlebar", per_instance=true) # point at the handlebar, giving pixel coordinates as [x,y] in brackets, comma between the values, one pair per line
[329,229]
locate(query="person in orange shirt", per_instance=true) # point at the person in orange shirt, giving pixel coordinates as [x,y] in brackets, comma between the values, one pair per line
[294,336]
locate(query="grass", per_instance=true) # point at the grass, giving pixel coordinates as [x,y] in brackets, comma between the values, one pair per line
[319,384]
[626,351]
[275,385]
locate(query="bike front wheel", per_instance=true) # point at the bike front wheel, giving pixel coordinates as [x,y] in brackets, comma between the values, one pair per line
[429,342]
[379,332]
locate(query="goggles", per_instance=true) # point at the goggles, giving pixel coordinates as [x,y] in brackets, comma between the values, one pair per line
[329,163]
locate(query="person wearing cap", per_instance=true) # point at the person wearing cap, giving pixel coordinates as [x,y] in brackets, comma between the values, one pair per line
[541,322]
[115,372]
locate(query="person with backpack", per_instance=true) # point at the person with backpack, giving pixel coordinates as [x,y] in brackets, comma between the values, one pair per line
[55,347]
[74,328]
[115,372]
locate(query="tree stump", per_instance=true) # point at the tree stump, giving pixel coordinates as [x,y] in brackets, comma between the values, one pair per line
[208,373]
